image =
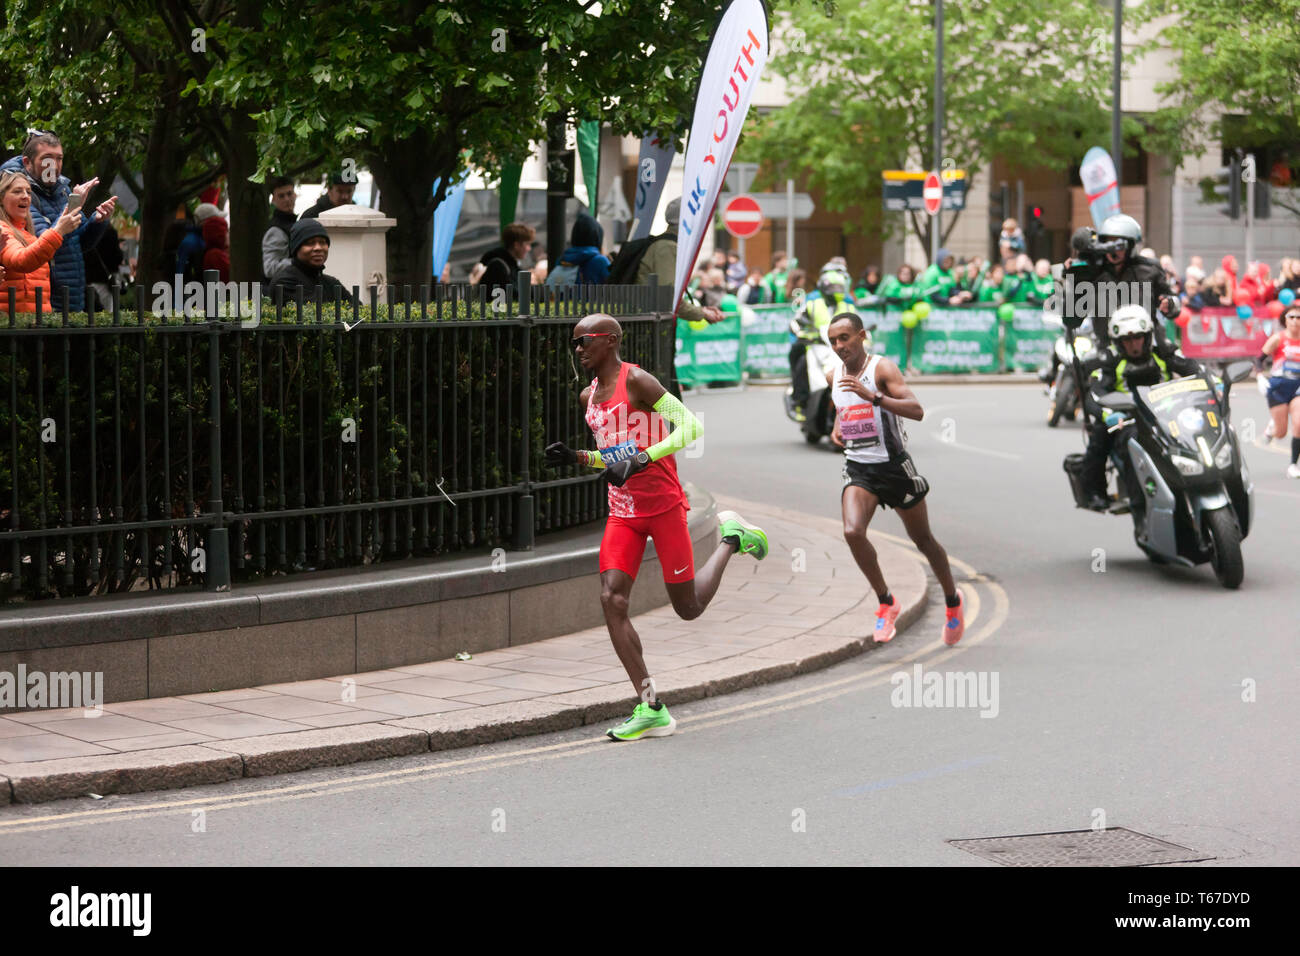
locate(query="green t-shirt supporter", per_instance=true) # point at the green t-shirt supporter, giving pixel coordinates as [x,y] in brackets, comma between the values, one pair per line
[989,291]
[936,281]
[1016,288]
[1042,288]
[893,288]
[774,283]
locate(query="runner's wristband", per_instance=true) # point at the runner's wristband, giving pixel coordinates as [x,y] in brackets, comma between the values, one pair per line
[686,427]
[877,398]
[591,459]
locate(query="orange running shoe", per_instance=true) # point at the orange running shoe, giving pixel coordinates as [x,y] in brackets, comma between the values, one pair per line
[886,615]
[955,625]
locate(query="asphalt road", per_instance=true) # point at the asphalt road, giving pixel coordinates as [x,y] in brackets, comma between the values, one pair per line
[1119,701]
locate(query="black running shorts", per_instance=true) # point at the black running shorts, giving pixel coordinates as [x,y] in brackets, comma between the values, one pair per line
[895,483]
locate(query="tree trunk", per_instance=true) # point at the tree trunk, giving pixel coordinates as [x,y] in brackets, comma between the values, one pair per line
[158,202]
[248,206]
[405,173]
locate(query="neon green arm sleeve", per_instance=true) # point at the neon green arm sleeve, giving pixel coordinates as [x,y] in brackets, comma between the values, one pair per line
[686,427]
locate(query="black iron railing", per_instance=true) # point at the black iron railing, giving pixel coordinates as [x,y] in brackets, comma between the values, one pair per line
[145,450]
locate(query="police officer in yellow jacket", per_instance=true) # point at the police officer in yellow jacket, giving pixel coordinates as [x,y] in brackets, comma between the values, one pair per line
[831,299]
[1130,361]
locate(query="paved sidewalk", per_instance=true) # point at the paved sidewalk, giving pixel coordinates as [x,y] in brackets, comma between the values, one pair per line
[806,606]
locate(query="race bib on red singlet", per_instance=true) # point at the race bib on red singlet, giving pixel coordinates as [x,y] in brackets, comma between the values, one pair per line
[860,426]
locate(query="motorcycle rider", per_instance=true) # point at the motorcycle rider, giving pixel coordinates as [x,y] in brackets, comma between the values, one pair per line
[1115,275]
[832,297]
[1134,359]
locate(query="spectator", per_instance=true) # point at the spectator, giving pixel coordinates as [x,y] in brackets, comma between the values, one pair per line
[776,280]
[1289,275]
[1041,284]
[718,260]
[937,281]
[216,240]
[1018,283]
[446,273]
[1215,292]
[795,279]
[338,193]
[503,261]
[41,161]
[541,269]
[735,272]
[1011,239]
[658,257]
[275,241]
[582,262]
[1149,253]
[751,292]
[1191,296]
[476,273]
[309,247]
[991,288]
[25,256]
[901,288]
[714,288]
[867,283]
[103,264]
[189,255]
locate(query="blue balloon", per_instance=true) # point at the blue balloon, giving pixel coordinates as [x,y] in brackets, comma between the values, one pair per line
[1286,296]
[1244,312]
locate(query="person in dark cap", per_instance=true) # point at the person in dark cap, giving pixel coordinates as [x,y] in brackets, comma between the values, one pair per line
[341,187]
[309,245]
[582,262]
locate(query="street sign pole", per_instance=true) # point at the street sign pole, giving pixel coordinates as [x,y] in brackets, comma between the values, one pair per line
[938,124]
[789,218]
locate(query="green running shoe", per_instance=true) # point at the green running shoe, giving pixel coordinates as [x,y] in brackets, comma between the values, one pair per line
[644,722]
[753,540]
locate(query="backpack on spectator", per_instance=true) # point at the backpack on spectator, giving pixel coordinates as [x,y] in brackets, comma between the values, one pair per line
[566,273]
[622,271]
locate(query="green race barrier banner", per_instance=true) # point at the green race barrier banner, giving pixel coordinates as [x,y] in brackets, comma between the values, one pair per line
[1028,340]
[957,340]
[766,349]
[710,354]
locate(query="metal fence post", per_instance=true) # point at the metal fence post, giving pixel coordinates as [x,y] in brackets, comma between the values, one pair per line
[525,515]
[218,559]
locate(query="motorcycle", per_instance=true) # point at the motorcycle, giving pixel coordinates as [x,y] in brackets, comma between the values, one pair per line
[1179,472]
[1063,390]
[817,416]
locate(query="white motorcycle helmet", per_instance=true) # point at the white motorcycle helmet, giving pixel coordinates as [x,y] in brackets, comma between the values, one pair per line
[1130,320]
[1123,227]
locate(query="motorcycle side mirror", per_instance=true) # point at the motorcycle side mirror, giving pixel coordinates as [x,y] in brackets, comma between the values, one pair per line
[1237,371]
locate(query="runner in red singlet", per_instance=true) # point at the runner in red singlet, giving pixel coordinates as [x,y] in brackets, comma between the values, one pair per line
[627,410]
[1282,350]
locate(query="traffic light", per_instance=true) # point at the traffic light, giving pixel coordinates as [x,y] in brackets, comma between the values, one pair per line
[999,208]
[1225,187]
[1260,161]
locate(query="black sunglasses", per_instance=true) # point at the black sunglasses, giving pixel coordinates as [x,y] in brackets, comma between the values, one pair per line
[581,340]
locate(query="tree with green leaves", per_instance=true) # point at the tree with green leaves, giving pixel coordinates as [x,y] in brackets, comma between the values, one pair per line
[1020,80]
[1236,76]
[417,92]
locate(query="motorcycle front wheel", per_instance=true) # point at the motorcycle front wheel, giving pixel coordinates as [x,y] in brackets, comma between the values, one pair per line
[1225,547]
[1061,403]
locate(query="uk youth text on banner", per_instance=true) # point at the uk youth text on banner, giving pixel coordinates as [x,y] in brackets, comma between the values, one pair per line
[732,69]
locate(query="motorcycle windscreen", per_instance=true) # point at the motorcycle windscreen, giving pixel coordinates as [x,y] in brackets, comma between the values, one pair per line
[1184,410]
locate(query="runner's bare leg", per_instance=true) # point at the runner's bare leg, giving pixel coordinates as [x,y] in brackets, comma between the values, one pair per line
[690,598]
[917,522]
[858,505]
[615,592]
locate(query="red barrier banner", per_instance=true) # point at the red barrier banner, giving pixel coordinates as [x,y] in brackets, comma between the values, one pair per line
[1216,332]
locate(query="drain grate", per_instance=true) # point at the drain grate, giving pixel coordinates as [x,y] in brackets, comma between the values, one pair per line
[1114,846]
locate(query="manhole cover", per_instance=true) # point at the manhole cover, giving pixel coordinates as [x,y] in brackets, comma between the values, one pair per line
[1114,846]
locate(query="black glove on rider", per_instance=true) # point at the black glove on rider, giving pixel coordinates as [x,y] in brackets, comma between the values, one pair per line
[618,473]
[559,454]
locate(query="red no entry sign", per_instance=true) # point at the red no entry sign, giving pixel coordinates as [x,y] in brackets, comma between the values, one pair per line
[932,193]
[742,217]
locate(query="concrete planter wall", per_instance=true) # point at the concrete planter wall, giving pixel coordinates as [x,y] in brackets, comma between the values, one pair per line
[335,623]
